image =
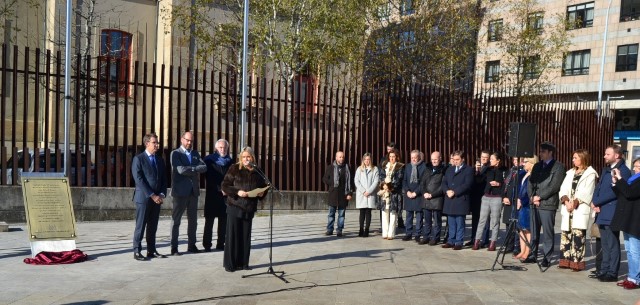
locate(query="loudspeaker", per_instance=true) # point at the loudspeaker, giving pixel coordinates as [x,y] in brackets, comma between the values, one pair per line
[522,139]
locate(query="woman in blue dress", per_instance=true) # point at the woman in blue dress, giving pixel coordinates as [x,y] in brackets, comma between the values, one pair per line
[523,209]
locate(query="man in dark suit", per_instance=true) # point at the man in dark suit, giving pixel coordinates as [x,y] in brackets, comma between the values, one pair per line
[186,167]
[457,184]
[544,186]
[604,204]
[148,173]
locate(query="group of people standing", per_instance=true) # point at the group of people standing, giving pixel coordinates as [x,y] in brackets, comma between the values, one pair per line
[527,194]
[227,198]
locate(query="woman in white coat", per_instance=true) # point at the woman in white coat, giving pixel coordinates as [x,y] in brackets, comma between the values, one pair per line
[366,181]
[575,194]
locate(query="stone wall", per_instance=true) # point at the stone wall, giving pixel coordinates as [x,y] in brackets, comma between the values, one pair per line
[95,204]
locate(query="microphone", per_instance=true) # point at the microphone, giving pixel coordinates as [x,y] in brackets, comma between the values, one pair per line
[253,164]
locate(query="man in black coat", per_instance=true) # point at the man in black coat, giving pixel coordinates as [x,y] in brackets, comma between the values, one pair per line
[148,172]
[215,205]
[337,177]
[431,185]
[412,195]
[477,191]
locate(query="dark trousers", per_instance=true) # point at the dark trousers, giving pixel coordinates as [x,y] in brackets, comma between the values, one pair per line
[147,214]
[432,224]
[547,220]
[365,221]
[610,251]
[237,246]
[598,254]
[409,228]
[207,236]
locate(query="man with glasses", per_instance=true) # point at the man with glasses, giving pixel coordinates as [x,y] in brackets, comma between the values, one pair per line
[186,167]
[148,170]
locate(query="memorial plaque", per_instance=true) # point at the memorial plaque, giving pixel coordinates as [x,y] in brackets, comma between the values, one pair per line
[48,206]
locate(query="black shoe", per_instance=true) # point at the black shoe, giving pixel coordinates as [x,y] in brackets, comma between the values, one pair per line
[595,271]
[174,252]
[433,242]
[339,234]
[155,255]
[528,260]
[417,239]
[207,249]
[139,257]
[328,233]
[457,247]
[545,263]
[607,278]
[423,242]
[407,238]
[360,233]
[229,269]
[193,249]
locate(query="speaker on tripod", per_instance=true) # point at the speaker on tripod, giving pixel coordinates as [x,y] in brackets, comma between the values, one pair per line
[522,139]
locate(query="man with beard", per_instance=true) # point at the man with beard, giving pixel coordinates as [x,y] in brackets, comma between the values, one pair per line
[412,193]
[215,200]
[604,203]
[337,177]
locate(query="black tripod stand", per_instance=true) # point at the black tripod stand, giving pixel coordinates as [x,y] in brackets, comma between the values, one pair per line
[278,274]
[513,230]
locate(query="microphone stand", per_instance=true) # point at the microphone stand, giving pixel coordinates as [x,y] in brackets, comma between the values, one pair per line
[278,274]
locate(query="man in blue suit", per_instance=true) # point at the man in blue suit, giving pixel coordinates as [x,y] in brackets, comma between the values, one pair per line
[604,203]
[148,173]
[457,184]
[187,165]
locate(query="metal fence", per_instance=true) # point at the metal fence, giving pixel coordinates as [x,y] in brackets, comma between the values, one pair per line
[295,128]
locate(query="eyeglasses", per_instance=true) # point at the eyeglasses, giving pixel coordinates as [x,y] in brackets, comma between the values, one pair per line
[188,140]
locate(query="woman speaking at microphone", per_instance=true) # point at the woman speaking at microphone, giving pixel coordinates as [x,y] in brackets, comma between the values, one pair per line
[241,178]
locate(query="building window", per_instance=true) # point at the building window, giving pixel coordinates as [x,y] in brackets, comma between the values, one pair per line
[384,12]
[492,71]
[531,67]
[115,62]
[304,95]
[580,16]
[495,30]
[576,63]
[407,39]
[406,7]
[627,59]
[630,10]
[535,22]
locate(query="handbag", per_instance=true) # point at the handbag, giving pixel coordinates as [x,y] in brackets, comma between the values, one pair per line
[595,230]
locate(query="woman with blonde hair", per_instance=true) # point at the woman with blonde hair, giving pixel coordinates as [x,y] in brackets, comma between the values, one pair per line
[524,224]
[239,180]
[366,181]
[575,195]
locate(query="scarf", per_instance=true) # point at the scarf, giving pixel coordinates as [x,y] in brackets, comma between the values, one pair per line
[632,178]
[220,160]
[336,176]
[414,172]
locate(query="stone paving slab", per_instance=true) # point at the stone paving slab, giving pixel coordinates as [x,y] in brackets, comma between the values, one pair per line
[321,270]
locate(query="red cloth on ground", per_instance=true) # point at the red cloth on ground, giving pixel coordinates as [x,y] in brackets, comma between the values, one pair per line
[54,258]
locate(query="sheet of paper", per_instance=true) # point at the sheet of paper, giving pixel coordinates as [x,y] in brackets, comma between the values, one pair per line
[254,193]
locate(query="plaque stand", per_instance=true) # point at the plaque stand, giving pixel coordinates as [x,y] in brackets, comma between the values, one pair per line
[49,212]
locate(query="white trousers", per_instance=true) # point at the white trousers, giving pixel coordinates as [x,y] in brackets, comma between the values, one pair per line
[389,222]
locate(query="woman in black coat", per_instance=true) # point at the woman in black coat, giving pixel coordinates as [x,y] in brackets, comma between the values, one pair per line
[391,172]
[239,180]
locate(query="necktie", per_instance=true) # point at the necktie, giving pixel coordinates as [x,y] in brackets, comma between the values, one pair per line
[189,156]
[152,158]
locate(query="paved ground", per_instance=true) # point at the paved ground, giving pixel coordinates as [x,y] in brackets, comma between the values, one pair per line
[321,270]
